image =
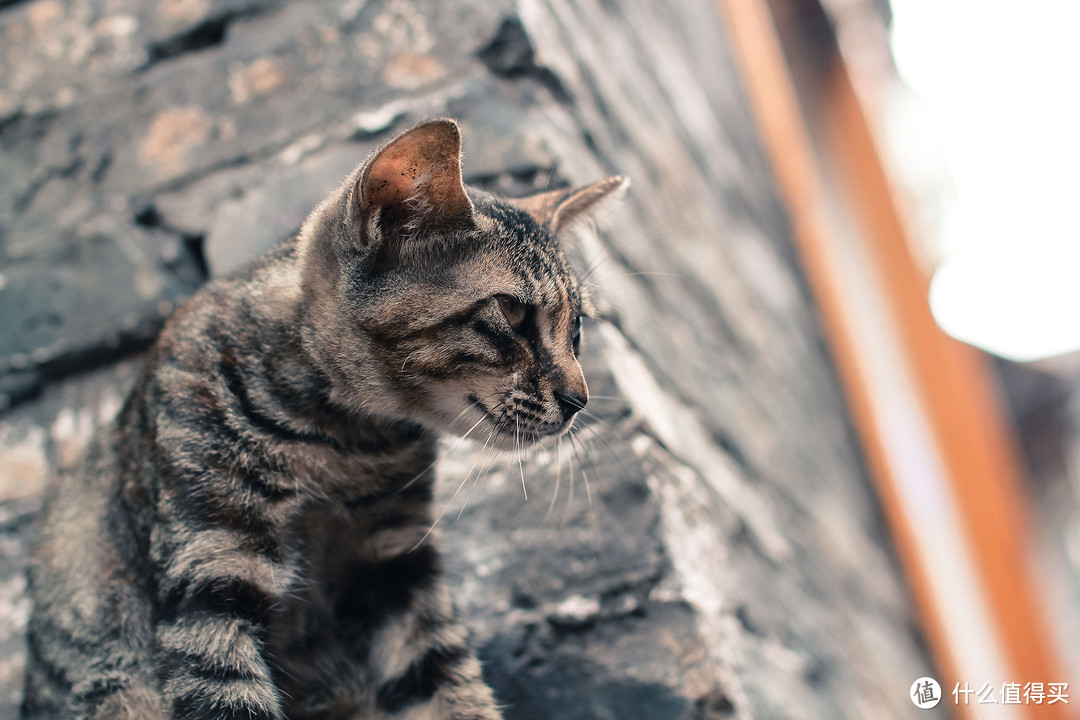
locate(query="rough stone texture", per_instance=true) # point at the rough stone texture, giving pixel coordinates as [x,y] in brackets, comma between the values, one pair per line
[705,546]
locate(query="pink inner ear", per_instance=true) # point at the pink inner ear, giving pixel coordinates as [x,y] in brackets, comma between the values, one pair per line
[424,161]
[392,180]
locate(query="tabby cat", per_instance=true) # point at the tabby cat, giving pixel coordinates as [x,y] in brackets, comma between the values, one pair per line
[247,540]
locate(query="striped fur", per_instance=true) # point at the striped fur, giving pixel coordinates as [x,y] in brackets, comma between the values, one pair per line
[246,540]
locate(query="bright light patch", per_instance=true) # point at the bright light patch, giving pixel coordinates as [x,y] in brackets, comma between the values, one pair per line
[1019,302]
[1000,79]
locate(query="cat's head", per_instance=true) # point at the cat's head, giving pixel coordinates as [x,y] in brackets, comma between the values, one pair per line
[442,304]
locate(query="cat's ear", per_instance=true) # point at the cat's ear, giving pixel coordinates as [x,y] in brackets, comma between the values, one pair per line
[413,182]
[560,210]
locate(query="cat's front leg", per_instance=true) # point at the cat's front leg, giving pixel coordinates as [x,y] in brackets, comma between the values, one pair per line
[214,609]
[437,675]
[422,662]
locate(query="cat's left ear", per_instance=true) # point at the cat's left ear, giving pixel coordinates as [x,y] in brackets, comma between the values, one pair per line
[415,181]
[561,210]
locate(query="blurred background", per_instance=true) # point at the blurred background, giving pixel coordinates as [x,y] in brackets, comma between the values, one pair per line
[833,438]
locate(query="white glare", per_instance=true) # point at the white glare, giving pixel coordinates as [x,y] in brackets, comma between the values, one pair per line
[1001,80]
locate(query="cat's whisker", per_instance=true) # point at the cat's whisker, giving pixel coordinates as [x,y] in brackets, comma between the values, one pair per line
[456,443]
[487,451]
[461,414]
[584,476]
[575,403]
[468,474]
[487,463]
[521,467]
[599,258]
[571,401]
[586,412]
[487,471]
[558,480]
[570,493]
[582,440]
[604,255]
[594,523]
[469,431]
[545,206]
[418,475]
[446,507]
[596,435]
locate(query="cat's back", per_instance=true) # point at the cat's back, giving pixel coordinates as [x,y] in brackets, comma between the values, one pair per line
[91,627]
[91,573]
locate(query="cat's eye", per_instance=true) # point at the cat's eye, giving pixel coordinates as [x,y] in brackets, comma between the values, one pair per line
[513,309]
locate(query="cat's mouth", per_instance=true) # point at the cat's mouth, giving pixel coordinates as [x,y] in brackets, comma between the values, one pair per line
[511,429]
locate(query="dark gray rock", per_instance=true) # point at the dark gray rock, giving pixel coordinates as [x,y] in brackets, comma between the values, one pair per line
[109,293]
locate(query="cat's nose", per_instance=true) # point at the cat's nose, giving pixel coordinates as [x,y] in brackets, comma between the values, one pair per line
[570,403]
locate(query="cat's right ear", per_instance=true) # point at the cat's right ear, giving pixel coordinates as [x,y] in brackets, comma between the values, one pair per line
[562,210]
[413,182]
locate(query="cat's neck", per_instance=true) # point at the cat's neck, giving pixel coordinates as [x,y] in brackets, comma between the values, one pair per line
[305,390]
[274,375]
[358,458]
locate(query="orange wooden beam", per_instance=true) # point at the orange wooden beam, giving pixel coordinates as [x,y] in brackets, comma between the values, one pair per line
[976,442]
[787,143]
[954,386]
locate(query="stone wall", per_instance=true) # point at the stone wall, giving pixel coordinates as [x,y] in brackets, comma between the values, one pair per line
[705,546]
